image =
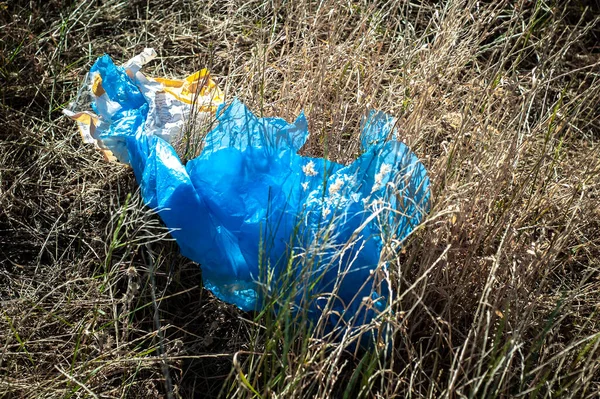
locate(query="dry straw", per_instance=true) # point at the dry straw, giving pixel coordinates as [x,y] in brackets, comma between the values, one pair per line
[496,294]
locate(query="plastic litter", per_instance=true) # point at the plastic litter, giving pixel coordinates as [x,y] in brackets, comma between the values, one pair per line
[261,220]
[164,104]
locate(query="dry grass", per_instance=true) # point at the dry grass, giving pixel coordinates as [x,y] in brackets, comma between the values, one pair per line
[498,292]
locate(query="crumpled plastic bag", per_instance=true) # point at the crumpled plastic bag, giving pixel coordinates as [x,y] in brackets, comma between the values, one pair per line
[260,219]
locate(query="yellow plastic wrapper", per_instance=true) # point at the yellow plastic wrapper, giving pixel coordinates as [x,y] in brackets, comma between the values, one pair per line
[171,105]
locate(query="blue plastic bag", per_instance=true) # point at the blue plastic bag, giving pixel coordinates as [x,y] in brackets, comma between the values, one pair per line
[264,222]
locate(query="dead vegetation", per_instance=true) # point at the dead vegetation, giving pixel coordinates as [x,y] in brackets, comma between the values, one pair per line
[498,292]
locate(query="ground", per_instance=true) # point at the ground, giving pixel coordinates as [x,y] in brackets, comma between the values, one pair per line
[497,292]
